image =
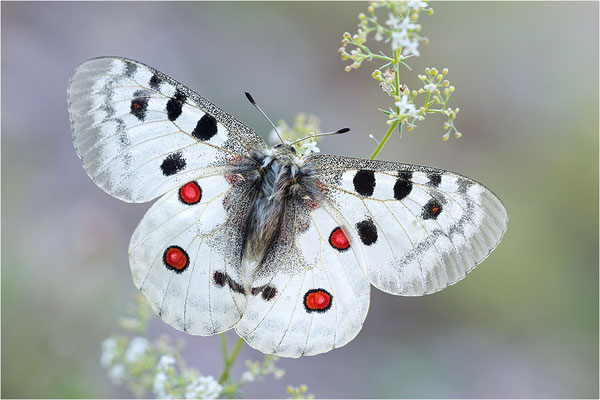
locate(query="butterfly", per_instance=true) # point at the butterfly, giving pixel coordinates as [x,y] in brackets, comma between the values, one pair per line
[282,248]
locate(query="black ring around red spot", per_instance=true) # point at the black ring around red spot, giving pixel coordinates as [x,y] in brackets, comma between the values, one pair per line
[317,300]
[190,193]
[338,240]
[176,259]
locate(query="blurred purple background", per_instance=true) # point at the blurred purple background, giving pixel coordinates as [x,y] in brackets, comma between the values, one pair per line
[524,324]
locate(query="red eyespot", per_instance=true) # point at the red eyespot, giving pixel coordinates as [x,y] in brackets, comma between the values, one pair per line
[175,258]
[338,239]
[190,193]
[317,300]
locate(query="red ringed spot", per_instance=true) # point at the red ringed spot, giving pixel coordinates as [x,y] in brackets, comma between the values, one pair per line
[137,106]
[318,300]
[176,259]
[338,240]
[190,193]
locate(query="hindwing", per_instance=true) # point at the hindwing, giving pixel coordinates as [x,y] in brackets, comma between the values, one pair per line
[309,297]
[185,255]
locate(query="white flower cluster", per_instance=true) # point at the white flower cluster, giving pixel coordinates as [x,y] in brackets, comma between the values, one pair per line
[405,107]
[404,36]
[205,387]
[137,349]
[161,379]
[109,352]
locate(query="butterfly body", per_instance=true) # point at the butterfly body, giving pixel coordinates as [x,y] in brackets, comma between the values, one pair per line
[279,247]
[278,177]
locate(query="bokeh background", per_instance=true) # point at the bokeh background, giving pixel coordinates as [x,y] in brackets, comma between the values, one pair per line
[523,324]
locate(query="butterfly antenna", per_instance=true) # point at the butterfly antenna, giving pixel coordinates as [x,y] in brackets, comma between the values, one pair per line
[338,132]
[251,100]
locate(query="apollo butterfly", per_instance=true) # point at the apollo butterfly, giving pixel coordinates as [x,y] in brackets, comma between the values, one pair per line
[281,247]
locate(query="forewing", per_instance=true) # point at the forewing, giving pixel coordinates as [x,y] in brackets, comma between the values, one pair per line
[307,296]
[140,133]
[185,255]
[421,228]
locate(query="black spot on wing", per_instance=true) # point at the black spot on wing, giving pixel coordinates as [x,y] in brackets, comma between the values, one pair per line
[269,292]
[175,105]
[139,104]
[173,164]
[403,185]
[367,232]
[463,185]
[129,69]
[434,179]
[220,278]
[431,210]
[155,82]
[206,128]
[364,182]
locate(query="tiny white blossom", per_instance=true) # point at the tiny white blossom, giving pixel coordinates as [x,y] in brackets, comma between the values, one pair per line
[416,4]
[430,87]
[407,108]
[410,48]
[408,25]
[379,35]
[392,21]
[136,349]
[116,374]
[398,39]
[165,362]
[158,385]
[109,349]
[248,377]
[205,387]
[310,147]
[278,373]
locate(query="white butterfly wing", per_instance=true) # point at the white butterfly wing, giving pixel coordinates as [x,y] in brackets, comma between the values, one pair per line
[140,133]
[185,255]
[421,228]
[308,297]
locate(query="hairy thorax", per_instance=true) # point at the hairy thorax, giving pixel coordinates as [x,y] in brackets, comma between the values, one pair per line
[281,178]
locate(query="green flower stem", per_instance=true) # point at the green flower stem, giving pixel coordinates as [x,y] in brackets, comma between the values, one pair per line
[229,360]
[224,349]
[385,139]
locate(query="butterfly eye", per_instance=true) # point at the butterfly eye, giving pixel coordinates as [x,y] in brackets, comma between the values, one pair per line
[293,149]
[278,145]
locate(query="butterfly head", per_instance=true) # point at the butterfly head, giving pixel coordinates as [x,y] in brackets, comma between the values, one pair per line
[283,148]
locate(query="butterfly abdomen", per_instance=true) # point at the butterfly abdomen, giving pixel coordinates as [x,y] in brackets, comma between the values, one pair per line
[279,178]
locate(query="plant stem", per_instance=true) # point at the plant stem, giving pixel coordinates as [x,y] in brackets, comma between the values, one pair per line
[224,348]
[385,139]
[229,360]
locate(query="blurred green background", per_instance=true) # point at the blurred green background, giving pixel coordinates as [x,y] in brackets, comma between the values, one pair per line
[524,324]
